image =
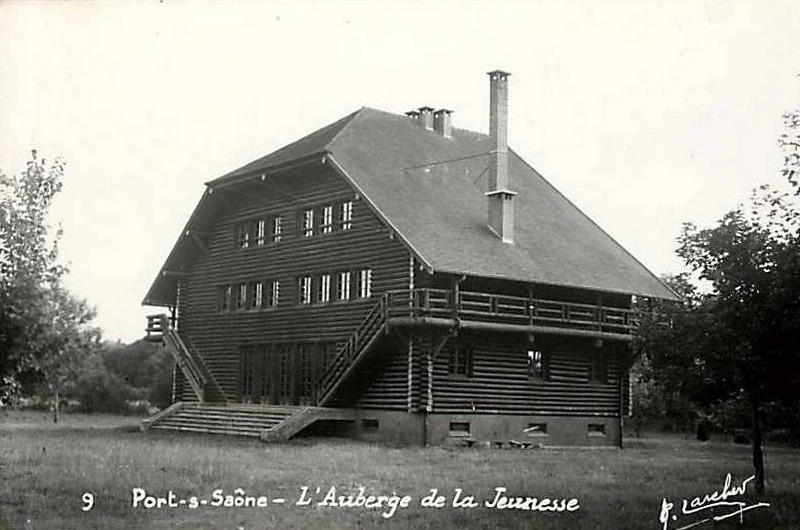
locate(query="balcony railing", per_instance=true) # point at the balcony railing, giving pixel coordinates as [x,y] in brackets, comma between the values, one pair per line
[512,310]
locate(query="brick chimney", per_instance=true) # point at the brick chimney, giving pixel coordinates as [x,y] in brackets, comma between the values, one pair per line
[426,117]
[442,124]
[413,114]
[499,197]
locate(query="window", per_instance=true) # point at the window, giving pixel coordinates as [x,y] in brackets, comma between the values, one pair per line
[346,215]
[370,425]
[365,283]
[343,286]
[596,429]
[244,235]
[304,286]
[598,368]
[241,296]
[273,293]
[256,295]
[224,304]
[327,219]
[460,362]
[324,293]
[308,223]
[536,429]
[459,428]
[538,365]
[261,226]
[275,229]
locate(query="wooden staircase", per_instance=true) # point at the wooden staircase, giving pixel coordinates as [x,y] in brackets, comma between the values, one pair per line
[202,381]
[354,351]
[267,422]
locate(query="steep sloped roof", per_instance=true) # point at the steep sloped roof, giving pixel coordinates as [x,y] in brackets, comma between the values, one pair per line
[431,190]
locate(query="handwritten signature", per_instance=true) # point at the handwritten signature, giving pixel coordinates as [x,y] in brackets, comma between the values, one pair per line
[717,499]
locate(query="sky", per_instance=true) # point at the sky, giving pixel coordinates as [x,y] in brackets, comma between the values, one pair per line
[646,115]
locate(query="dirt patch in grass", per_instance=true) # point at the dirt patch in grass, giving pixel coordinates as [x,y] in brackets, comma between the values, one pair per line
[45,470]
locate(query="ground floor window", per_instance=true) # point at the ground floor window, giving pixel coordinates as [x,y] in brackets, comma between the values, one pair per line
[460,361]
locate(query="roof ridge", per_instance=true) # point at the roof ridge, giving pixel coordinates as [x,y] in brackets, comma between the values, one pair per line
[349,119]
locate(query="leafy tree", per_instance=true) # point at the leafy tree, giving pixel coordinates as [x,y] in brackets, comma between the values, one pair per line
[44,330]
[741,339]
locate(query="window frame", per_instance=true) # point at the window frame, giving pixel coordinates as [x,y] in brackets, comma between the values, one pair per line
[224,295]
[346,215]
[327,219]
[273,294]
[364,285]
[461,362]
[541,374]
[275,229]
[305,293]
[256,295]
[324,288]
[343,286]
[307,222]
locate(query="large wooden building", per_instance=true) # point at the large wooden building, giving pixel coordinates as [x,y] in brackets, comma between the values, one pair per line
[391,277]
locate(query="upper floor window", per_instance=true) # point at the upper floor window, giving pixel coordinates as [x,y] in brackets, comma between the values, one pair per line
[254,232]
[224,298]
[460,361]
[241,296]
[244,235]
[327,219]
[308,223]
[261,226]
[365,283]
[256,295]
[275,229]
[324,292]
[343,286]
[346,215]
[273,293]
[304,289]
[538,368]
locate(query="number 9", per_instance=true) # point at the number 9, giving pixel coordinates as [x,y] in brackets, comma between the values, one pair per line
[88,501]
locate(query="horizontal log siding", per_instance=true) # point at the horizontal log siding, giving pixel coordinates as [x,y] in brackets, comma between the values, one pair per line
[388,389]
[500,380]
[218,337]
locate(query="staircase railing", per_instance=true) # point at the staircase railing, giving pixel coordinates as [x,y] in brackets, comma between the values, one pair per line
[194,375]
[349,354]
[192,367]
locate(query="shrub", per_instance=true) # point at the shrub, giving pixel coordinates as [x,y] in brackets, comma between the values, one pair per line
[99,390]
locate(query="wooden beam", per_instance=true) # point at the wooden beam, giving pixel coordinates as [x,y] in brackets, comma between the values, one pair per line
[174,274]
[510,328]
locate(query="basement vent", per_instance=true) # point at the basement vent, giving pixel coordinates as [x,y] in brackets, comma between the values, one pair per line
[459,428]
[370,425]
[536,429]
[597,429]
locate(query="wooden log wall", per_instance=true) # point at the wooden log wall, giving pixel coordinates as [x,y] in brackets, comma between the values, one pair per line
[500,380]
[219,337]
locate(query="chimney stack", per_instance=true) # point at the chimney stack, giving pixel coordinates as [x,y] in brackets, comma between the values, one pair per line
[499,197]
[426,117]
[413,114]
[442,123]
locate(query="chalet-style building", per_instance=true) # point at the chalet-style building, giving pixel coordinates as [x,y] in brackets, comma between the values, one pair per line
[391,277]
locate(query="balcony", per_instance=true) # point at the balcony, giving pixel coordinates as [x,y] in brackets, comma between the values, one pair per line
[486,311]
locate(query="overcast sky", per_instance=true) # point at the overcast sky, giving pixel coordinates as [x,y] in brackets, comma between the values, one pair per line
[644,115]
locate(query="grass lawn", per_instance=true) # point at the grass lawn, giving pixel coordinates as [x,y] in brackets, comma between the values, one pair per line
[45,470]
